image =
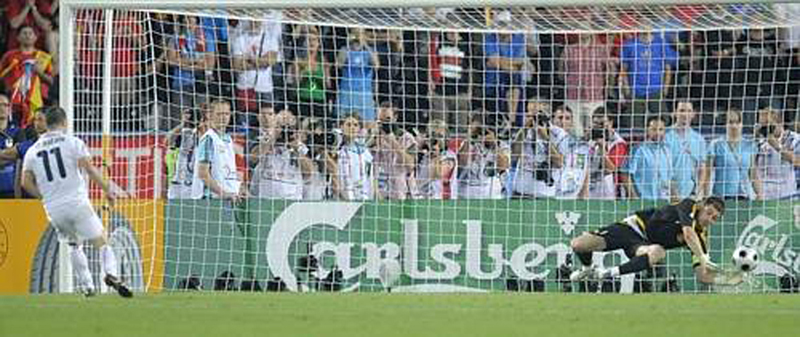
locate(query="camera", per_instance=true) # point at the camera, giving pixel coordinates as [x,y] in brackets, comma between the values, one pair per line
[599,134]
[543,119]
[765,131]
[387,128]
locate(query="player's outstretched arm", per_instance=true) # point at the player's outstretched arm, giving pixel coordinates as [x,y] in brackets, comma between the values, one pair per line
[693,242]
[718,277]
[96,177]
[29,184]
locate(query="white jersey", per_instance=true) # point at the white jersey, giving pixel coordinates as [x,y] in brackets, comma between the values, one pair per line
[53,159]
[572,175]
[181,181]
[218,152]
[355,172]
[278,176]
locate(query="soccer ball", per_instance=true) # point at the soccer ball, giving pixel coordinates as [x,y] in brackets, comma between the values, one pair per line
[389,273]
[745,259]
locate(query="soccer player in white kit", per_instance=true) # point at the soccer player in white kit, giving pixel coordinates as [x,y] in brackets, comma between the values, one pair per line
[55,169]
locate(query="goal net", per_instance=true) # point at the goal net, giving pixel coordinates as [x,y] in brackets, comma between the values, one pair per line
[433,149]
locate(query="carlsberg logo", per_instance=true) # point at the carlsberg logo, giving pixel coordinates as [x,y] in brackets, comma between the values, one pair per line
[521,261]
[771,246]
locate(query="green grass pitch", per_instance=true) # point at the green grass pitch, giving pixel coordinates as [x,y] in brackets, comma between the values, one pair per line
[405,315]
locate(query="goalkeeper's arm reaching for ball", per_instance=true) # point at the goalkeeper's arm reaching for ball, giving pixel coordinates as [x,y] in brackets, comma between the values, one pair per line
[704,270]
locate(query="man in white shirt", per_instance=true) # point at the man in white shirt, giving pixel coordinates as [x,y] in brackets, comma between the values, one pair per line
[54,169]
[215,171]
[255,51]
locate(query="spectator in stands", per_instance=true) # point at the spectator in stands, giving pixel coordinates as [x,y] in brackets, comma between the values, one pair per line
[610,151]
[756,64]
[129,39]
[356,63]
[280,159]
[450,79]
[8,139]
[388,46]
[190,55]
[649,169]
[255,53]
[482,159]
[217,29]
[313,77]
[353,178]
[436,164]
[718,68]
[534,158]
[778,155]
[393,159]
[689,153]
[28,73]
[586,67]
[35,14]
[646,76]
[215,171]
[733,159]
[506,61]
[23,141]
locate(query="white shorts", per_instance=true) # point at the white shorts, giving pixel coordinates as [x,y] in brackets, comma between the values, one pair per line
[75,222]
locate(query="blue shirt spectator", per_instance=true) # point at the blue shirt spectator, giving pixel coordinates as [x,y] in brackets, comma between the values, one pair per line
[216,29]
[689,152]
[192,43]
[733,164]
[495,46]
[646,59]
[357,64]
[650,167]
[8,171]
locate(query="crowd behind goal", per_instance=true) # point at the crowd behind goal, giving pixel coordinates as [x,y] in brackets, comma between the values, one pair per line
[327,112]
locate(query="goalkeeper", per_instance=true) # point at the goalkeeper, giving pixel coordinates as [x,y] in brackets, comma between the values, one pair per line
[647,234]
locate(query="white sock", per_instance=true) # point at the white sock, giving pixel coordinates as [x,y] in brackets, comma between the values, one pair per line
[109,260]
[80,265]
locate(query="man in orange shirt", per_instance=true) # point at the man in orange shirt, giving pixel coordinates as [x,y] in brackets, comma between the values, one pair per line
[27,72]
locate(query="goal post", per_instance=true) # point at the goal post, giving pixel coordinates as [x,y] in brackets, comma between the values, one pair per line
[461,172]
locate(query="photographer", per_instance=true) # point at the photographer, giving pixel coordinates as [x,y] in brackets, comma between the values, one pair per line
[183,140]
[572,157]
[393,160]
[279,158]
[435,163]
[322,146]
[778,155]
[481,161]
[533,156]
[609,152]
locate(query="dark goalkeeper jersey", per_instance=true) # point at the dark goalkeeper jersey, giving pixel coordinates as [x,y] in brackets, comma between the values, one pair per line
[665,224]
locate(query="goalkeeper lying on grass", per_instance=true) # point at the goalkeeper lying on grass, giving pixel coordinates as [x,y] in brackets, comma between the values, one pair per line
[646,235]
